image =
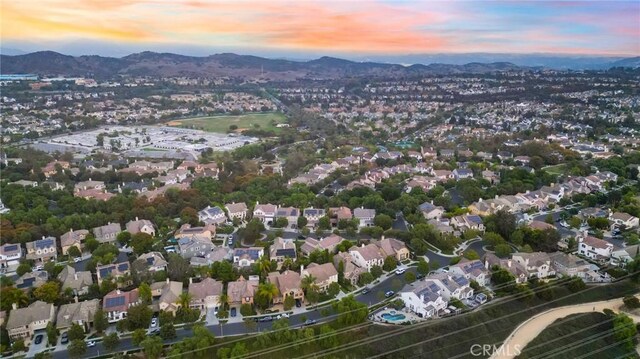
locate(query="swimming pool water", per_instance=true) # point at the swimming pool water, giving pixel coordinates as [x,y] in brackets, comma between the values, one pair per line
[393,317]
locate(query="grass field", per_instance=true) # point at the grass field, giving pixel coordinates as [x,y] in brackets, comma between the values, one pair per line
[220,124]
[556,170]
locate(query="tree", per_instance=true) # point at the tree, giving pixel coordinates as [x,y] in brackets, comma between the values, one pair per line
[141,243]
[409,277]
[383,221]
[167,331]
[18,346]
[423,266]
[139,316]
[471,255]
[281,222]
[575,222]
[289,302]
[333,289]
[74,252]
[350,311]
[376,271]
[365,278]
[152,347]
[390,263]
[631,302]
[302,222]
[144,290]
[52,334]
[576,284]
[624,330]
[75,332]
[77,348]
[268,291]
[111,341]
[23,268]
[313,296]
[138,336]
[124,238]
[503,250]
[178,268]
[246,310]
[324,223]
[91,244]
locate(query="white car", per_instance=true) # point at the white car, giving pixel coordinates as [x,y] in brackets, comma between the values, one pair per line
[91,344]
[400,270]
[77,259]
[154,322]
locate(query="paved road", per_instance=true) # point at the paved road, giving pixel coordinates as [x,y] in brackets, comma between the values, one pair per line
[531,328]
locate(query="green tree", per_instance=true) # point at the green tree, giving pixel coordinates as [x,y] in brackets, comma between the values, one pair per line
[376,271]
[77,348]
[631,302]
[281,222]
[383,221]
[575,222]
[111,341]
[52,334]
[268,291]
[74,252]
[302,222]
[139,316]
[390,263]
[23,268]
[144,290]
[138,336]
[152,347]
[625,330]
[75,332]
[91,244]
[246,310]
[409,277]
[324,223]
[503,250]
[576,284]
[365,278]
[18,346]
[423,266]
[124,238]
[471,255]
[350,311]
[313,296]
[167,331]
[289,302]
[333,289]
[141,243]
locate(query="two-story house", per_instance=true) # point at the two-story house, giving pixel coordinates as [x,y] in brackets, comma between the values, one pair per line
[10,255]
[212,215]
[81,313]
[115,271]
[116,303]
[78,281]
[194,247]
[393,247]
[107,233]
[282,249]
[42,250]
[472,270]
[244,257]
[313,216]
[288,284]
[242,291]
[324,274]
[291,214]
[431,211]
[537,264]
[367,256]
[150,262]
[141,226]
[167,295]
[266,213]
[594,248]
[23,322]
[327,243]
[364,216]
[205,294]
[237,210]
[452,285]
[423,298]
[624,219]
[72,239]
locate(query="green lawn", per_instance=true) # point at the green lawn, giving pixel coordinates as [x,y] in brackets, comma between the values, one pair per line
[220,124]
[556,170]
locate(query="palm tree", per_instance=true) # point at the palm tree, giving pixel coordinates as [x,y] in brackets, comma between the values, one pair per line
[264,266]
[308,282]
[287,263]
[185,299]
[224,300]
[268,290]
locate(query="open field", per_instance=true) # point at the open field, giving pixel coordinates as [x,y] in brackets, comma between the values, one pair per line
[220,124]
[556,170]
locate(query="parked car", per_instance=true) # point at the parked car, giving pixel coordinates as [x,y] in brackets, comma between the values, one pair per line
[298,303]
[39,338]
[309,322]
[400,271]
[91,343]
[419,276]
[389,294]
[64,339]
[366,290]
[234,312]
[154,331]
[268,318]
[154,322]
[77,259]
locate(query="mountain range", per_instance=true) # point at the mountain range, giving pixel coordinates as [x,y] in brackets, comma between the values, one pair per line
[49,63]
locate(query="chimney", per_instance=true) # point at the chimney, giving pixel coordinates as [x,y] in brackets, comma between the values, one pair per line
[136,218]
[118,291]
[382,238]
[168,280]
[190,280]
[75,275]
[301,268]
[509,263]
[75,299]
[14,306]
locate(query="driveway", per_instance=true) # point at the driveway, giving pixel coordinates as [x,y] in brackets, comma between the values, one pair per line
[37,348]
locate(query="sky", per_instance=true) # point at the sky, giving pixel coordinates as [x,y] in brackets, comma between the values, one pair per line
[332,27]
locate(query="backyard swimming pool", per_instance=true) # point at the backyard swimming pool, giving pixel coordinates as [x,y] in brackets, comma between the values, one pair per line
[393,317]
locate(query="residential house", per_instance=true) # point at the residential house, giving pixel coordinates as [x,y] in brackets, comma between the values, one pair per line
[81,313]
[452,285]
[313,216]
[32,280]
[624,219]
[491,176]
[462,173]
[217,254]
[338,214]
[282,249]
[241,291]
[237,210]
[166,295]
[364,216]
[443,175]
[472,270]
[78,281]
[205,294]
[114,271]
[537,264]
[622,257]
[244,257]
[266,213]
[150,262]
[431,211]
[23,322]
[195,246]
[367,256]
[325,274]
[291,214]
[423,298]
[467,222]
[186,231]
[108,233]
[569,265]
[288,284]
[10,255]
[393,247]
[329,243]
[42,250]
[594,248]
[141,226]
[212,215]
[351,271]
[519,272]
[116,303]
[89,185]
[51,168]
[73,239]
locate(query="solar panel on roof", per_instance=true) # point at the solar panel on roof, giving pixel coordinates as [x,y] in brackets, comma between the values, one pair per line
[460,280]
[28,282]
[123,267]
[287,252]
[114,302]
[105,271]
[11,247]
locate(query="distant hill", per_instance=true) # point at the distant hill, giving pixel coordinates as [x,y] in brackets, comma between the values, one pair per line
[246,67]
[223,65]
[629,62]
